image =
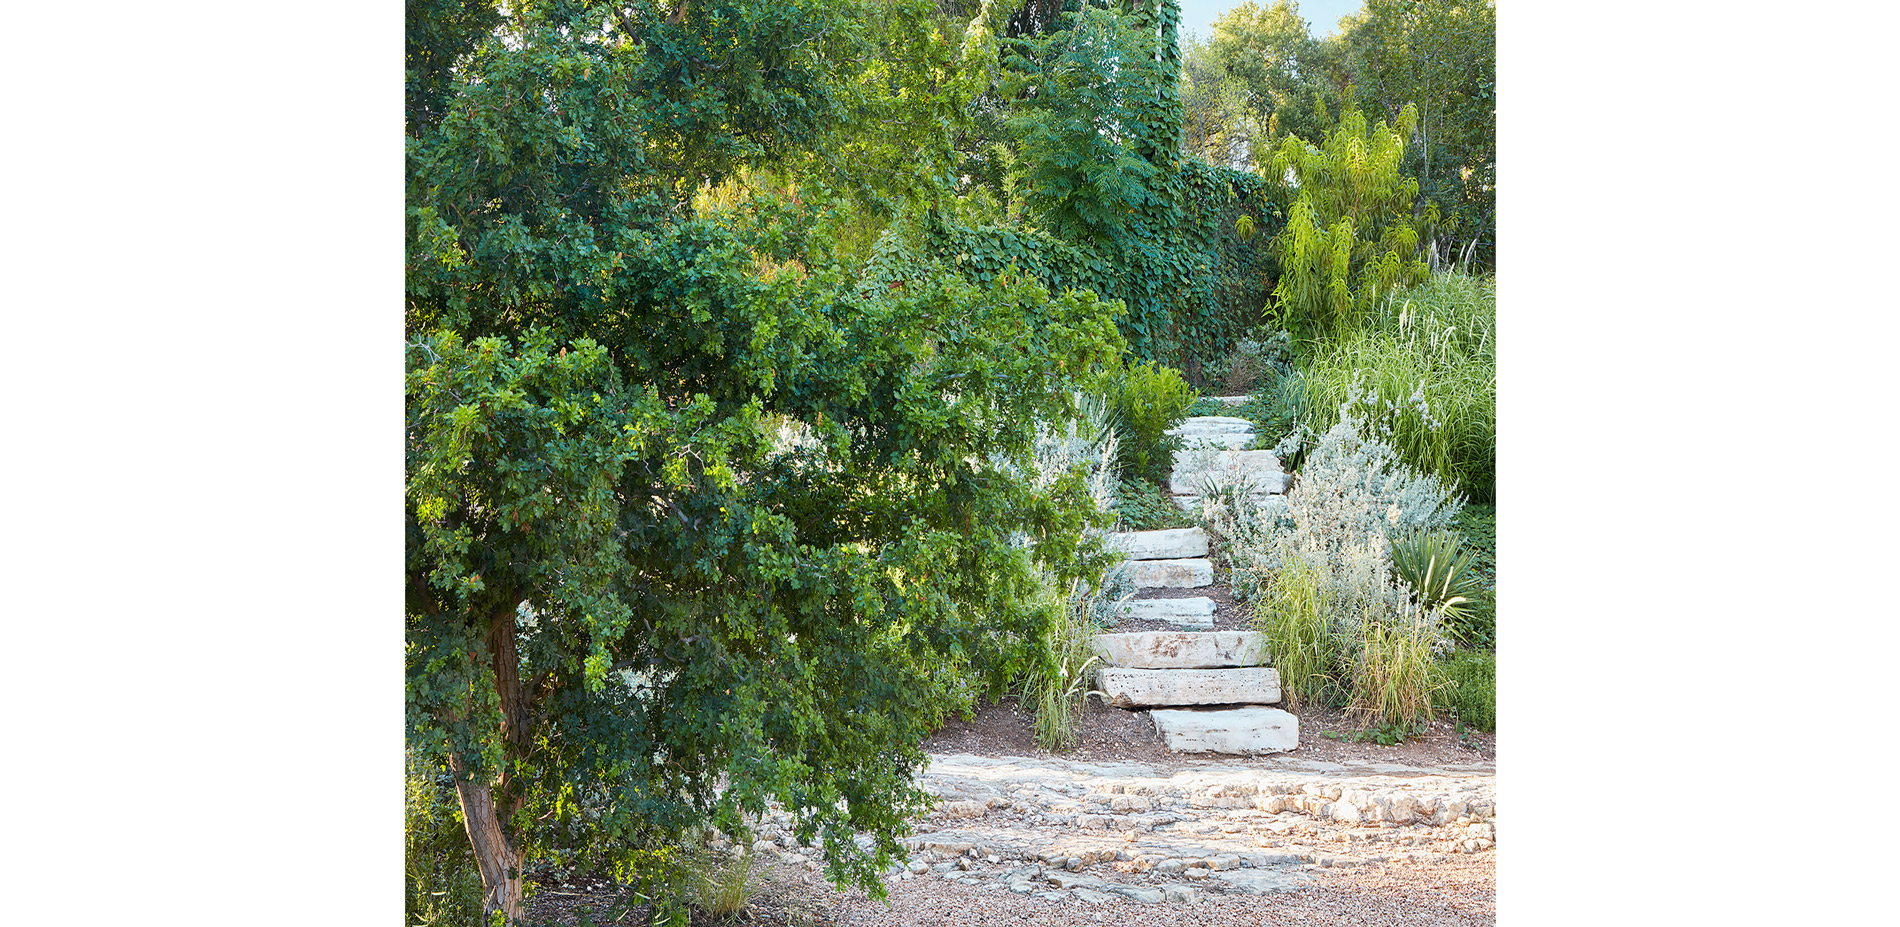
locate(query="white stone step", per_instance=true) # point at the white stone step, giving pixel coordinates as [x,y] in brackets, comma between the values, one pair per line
[1196,470]
[1139,688]
[1248,731]
[1218,442]
[1171,574]
[1181,649]
[1166,544]
[1193,612]
[1212,425]
[1231,400]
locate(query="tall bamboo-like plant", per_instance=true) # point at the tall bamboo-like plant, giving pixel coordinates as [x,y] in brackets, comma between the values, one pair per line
[1350,236]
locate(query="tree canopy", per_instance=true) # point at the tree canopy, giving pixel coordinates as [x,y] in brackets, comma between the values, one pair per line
[696,522]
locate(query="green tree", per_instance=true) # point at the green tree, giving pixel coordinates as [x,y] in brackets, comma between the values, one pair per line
[694,522]
[1293,79]
[1350,235]
[1218,120]
[1440,57]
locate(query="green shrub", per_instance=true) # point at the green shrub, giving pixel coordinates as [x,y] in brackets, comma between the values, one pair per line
[1424,367]
[1144,506]
[1476,626]
[1351,235]
[1254,361]
[1208,405]
[441,883]
[1148,399]
[1471,687]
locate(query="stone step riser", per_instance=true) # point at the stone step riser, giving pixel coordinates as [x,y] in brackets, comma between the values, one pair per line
[1167,544]
[1170,688]
[1249,731]
[1189,612]
[1212,424]
[1233,442]
[1181,649]
[1171,574]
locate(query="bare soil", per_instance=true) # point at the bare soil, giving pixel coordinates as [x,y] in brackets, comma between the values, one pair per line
[1118,735]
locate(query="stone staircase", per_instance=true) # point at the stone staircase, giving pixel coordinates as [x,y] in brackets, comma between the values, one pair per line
[1208,691]
[1214,456]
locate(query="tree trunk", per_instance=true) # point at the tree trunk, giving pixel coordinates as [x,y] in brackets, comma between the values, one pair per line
[496,855]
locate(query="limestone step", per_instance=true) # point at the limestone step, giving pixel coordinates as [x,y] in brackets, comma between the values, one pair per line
[1212,424]
[1166,544]
[1181,649]
[1248,731]
[1219,442]
[1140,688]
[1172,574]
[1194,471]
[1193,612]
[1231,400]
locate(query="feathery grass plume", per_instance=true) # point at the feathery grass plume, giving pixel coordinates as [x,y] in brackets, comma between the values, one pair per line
[1393,680]
[1420,371]
[1057,687]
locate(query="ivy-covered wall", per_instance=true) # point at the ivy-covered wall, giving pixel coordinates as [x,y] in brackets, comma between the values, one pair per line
[1102,198]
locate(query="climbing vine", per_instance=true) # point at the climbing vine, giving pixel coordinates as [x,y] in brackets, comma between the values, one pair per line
[1098,194]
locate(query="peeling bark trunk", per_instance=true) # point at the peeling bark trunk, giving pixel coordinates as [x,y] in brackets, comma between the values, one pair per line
[485,807]
[496,855]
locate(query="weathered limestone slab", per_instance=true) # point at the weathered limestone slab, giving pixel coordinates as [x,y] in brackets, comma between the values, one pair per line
[1232,400]
[1246,731]
[1212,425]
[1137,688]
[1194,471]
[1171,574]
[1166,544]
[1191,612]
[1219,442]
[1260,882]
[1181,649]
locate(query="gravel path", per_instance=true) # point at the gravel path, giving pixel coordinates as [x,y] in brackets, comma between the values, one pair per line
[1050,841]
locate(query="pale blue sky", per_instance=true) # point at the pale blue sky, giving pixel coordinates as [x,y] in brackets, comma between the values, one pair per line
[1322,16]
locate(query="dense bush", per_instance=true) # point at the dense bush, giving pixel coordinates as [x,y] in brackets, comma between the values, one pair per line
[1424,363]
[1351,235]
[1255,361]
[1145,506]
[1476,627]
[1148,399]
[1471,687]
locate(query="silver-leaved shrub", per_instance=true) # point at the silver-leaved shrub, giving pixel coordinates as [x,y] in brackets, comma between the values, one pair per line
[1319,572]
